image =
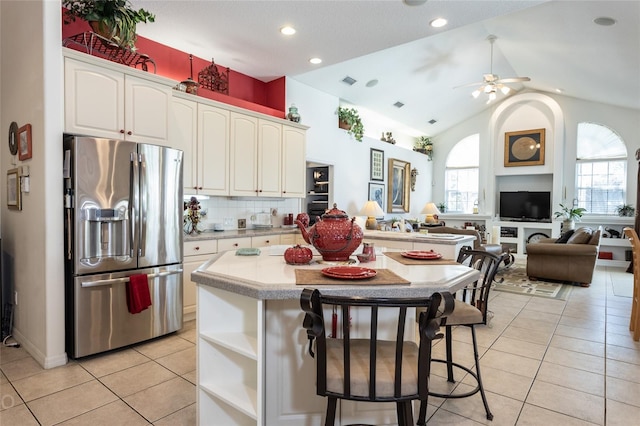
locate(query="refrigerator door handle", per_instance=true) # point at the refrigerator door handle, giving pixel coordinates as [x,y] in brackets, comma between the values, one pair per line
[143,202]
[133,202]
[123,280]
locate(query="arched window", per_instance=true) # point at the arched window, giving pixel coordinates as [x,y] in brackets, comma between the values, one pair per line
[601,169]
[461,175]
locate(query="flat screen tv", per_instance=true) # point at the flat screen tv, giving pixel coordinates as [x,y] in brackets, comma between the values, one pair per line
[525,206]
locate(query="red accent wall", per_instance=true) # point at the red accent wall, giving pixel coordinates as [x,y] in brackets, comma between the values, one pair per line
[244,91]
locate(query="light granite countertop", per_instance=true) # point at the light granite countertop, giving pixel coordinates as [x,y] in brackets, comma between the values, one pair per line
[268,277]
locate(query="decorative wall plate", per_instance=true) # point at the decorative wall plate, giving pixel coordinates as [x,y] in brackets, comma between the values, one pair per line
[13,138]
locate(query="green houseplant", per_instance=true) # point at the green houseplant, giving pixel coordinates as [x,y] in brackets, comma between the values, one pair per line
[571,215]
[349,119]
[112,19]
[424,145]
[625,210]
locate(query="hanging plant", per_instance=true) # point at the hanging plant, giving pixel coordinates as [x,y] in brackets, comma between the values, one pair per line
[349,119]
[425,146]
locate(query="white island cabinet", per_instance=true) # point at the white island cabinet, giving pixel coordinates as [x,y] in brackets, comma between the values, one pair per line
[252,362]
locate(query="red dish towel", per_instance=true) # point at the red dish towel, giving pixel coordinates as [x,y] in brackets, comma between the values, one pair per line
[138,296]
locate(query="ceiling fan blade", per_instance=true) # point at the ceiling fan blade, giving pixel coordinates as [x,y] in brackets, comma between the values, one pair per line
[513,80]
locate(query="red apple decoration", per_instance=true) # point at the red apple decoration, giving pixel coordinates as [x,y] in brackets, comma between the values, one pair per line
[298,255]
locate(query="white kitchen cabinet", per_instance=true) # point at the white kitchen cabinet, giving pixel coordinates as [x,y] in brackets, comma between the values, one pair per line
[202,132]
[106,103]
[234,243]
[259,164]
[294,164]
[195,254]
[265,240]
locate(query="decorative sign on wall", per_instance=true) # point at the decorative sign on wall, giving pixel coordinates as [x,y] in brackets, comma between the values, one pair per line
[524,148]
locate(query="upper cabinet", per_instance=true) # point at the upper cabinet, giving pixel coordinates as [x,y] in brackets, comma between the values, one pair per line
[294,166]
[202,132]
[106,103]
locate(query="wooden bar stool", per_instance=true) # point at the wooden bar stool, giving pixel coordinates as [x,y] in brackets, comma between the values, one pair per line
[634,323]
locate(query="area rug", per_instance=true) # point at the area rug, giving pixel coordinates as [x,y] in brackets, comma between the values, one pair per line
[515,280]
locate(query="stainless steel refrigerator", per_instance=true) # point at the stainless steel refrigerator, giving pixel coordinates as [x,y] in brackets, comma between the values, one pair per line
[123,216]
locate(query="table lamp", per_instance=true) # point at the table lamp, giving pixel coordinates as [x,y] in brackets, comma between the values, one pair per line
[372,210]
[431,212]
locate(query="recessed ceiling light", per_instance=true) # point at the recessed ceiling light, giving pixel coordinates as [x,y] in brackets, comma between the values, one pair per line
[398,104]
[315,61]
[288,30]
[605,21]
[438,23]
[371,83]
[433,121]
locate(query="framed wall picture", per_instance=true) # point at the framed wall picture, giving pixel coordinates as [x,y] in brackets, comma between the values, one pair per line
[376,193]
[24,142]
[377,164]
[524,148]
[398,186]
[14,201]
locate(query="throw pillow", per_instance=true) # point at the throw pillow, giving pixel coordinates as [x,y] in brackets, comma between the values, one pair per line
[565,236]
[581,236]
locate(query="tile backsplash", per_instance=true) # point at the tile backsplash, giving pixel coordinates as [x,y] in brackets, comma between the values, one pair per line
[227,210]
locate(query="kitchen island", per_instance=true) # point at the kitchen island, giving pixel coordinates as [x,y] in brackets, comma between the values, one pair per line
[253,366]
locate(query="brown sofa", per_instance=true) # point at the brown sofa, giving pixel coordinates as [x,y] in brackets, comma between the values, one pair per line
[573,261]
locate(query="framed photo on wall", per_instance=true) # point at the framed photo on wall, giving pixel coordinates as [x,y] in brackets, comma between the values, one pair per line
[14,201]
[376,193]
[398,186]
[524,148]
[24,142]
[377,164]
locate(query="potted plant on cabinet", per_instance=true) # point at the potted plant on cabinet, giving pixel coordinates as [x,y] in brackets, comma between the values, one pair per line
[349,119]
[425,146]
[112,19]
[571,215]
[625,210]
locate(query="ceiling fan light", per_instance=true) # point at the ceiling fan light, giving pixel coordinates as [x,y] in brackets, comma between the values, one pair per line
[492,96]
[475,93]
[505,90]
[489,89]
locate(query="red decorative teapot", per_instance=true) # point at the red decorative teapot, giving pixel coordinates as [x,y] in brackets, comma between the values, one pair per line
[333,235]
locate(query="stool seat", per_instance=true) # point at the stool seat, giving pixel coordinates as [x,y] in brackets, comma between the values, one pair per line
[493,249]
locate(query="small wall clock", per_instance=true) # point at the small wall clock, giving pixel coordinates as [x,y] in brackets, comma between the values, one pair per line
[13,138]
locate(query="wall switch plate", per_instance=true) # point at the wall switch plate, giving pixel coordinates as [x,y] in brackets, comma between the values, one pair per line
[242,223]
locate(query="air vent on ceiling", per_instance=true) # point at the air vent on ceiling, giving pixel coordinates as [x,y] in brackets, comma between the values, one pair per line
[350,81]
[432,121]
[398,104]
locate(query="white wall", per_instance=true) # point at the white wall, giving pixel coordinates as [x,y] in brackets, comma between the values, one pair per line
[328,144]
[560,116]
[31,81]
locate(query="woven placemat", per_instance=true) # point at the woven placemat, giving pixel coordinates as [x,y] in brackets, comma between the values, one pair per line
[316,277]
[395,255]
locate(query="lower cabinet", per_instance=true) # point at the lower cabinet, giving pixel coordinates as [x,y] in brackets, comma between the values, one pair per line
[265,241]
[234,243]
[195,254]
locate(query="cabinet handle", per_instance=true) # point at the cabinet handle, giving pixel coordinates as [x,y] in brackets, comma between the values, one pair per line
[235,244]
[122,131]
[199,187]
[267,242]
[129,132]
[195,187]
[260,190]
[196,248]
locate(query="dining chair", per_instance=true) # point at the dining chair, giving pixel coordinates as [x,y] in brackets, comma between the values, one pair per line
[370,362]
[634,323]
[470,309]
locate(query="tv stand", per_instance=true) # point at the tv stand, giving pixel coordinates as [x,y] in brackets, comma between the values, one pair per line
[524,230]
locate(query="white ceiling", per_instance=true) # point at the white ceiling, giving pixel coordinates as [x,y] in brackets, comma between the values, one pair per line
[555,43]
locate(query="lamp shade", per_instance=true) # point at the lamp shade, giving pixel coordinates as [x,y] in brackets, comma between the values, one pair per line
[430,208]
[371,209]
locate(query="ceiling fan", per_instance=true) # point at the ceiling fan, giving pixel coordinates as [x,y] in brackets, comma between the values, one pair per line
[491,82]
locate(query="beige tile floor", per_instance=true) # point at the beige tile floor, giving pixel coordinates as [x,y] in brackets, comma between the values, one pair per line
[544,362]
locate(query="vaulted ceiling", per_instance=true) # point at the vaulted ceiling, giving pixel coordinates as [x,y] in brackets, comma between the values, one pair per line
[555,43]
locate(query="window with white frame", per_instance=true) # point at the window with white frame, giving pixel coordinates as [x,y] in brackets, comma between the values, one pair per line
[461,175]
[601,169]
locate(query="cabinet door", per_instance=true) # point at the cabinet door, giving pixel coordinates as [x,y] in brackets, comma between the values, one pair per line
[234,243]
[183,128]
[146,111]
[265,241]
[213,150]
[269,158]
[93,100]
[244,153]
[294,166]
[191,263]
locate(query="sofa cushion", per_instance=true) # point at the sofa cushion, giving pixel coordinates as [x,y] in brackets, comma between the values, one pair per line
[565,237]
[580,236]
[595,238]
